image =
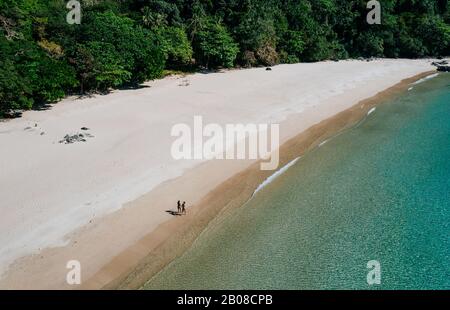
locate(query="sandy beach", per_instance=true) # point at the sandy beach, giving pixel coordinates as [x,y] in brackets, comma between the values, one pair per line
[103,202]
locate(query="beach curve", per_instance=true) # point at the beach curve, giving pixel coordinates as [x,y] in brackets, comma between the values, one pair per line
[101,271]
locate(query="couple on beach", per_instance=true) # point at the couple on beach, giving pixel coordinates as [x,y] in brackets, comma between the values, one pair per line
[181,207]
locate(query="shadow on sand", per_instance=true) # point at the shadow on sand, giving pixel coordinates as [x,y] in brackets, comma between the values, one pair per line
[174,213]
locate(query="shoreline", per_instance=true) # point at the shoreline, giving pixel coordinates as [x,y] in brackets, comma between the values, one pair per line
[171,239]
[110,245]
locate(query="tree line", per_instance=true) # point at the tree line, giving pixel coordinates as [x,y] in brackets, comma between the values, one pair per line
[121,43]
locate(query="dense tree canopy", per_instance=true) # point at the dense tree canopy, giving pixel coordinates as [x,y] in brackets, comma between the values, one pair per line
[125,42]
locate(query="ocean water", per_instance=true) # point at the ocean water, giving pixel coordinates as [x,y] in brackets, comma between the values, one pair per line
[378,191]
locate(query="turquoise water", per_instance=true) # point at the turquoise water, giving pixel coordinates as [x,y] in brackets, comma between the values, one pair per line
[379,191]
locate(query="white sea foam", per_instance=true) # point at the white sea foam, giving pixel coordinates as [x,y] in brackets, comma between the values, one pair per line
[426,78]
[275,175]
[371,111]
[411,88]
[323,143]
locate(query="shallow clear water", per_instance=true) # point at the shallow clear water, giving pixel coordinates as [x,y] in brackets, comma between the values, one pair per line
[379,191]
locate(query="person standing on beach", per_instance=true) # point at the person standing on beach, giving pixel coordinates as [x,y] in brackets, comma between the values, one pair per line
[183,207]
[179,206]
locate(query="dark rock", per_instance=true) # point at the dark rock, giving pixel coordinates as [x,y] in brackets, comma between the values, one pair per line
[444,68]
[84,128]
[440,63]
[79,137]
[268,69]
[11,114]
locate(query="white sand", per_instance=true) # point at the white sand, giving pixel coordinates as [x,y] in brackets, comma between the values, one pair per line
[49,190]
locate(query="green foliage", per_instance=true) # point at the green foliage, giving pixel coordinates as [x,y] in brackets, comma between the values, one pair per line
[100,66]
[435,34]
[293,43]
[177,47]
[14,90]
[214,46]
[51,78]
[370,44]
[125,42]
[136,47]
[159,13]
[30,77]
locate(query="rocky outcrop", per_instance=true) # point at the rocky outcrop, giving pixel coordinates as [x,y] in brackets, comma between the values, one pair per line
[442,66]
[78,137]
